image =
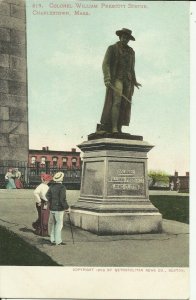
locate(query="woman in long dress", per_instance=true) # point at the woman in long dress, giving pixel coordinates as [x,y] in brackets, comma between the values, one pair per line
[41,224]
[9,177]
[18,182]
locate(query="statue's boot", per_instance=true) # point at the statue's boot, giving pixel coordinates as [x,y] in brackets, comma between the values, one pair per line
[101,129]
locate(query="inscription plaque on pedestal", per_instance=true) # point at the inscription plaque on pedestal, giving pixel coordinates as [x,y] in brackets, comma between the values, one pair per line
[125,178]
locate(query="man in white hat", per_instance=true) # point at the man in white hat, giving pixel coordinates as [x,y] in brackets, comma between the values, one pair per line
[56,196]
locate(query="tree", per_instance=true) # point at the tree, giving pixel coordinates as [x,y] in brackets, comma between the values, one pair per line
[158,177]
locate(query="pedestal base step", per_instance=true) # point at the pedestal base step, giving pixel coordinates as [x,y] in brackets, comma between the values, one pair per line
[117,223]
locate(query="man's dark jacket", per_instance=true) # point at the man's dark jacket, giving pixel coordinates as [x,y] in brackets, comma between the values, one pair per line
[56,196]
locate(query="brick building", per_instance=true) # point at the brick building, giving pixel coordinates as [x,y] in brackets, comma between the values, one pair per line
[54,158]
[180,183]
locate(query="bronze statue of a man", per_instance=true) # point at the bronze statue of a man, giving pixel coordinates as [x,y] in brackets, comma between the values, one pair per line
[120,79]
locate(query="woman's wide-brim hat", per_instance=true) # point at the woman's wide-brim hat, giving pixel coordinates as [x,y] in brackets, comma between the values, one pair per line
[58,177]
[127,31]
[46,177]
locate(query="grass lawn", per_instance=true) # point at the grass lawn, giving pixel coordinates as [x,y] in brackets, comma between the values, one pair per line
[16,252]
[172,207]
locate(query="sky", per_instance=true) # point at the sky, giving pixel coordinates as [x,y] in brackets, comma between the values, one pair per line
[65,81]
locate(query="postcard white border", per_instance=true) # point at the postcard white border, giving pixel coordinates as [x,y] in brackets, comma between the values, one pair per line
[118,283]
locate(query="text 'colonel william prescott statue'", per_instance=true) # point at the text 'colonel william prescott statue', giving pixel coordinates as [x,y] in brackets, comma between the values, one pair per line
[120,80]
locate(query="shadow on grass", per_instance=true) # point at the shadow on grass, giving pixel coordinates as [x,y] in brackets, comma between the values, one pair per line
[16,252]
[172,207]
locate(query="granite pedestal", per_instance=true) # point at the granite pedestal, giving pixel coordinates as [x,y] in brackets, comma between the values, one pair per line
[114,195]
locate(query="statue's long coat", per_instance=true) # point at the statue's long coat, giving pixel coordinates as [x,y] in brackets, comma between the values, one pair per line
[109,66]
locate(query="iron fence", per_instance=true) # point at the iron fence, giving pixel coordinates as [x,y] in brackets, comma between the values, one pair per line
[30,174]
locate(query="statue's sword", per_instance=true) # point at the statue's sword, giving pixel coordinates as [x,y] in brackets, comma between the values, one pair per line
[121,95]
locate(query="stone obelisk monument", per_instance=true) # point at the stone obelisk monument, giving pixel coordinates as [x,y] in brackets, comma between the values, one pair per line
[13,83]
[114,196]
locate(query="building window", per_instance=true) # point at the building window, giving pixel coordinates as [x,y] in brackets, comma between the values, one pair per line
[54,160]
[43,160]
[33,160]
[74,161]
[64,159]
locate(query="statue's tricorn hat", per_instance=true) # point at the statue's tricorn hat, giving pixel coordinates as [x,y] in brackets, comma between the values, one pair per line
[127,31]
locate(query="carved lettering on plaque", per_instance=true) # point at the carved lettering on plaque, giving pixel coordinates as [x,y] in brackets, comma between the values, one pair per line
[126,180]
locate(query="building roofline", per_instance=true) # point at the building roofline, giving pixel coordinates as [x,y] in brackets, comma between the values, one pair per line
[49,152]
